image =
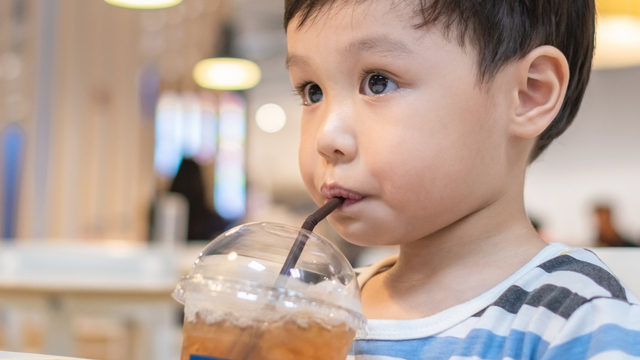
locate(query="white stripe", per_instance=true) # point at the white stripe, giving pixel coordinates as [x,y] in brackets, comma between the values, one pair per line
[372,357]
[596,313]
[577,283]
[537,320]
[588,256]
[497,320]
[474,358]
[631,297]
[614,354]
[607,355]
[540,321]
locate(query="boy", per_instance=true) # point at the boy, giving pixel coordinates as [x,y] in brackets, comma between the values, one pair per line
[424,115]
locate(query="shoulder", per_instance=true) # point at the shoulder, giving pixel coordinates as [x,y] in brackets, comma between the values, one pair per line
[587,266]
[563,283]
[602,316]
[571,306]
[581,273]
[574,306]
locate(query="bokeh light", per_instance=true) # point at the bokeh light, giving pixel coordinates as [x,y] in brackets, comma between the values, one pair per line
[271,118]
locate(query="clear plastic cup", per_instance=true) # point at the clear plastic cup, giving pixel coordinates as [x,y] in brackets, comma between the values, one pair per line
[238,307]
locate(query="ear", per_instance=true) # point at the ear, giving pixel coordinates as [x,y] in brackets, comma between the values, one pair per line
[542,78]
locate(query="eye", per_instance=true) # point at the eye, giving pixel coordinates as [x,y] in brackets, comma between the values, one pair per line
[311,94]
[376,84]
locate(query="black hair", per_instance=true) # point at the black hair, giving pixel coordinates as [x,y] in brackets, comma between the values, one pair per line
[502,31]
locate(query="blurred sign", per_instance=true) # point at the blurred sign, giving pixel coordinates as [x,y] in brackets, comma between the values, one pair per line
[12,140]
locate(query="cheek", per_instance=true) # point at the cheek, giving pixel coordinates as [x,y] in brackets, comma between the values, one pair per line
[403,166]
[304,159]
[426,160]
[307,159]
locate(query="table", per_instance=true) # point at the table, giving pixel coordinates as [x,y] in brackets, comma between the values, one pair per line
[66,280]
[22,356]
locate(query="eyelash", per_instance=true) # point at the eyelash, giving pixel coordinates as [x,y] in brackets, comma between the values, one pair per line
[365,73]
[300,87]
[298,92]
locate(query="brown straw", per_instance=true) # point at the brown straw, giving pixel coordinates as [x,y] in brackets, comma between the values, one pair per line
[309,224]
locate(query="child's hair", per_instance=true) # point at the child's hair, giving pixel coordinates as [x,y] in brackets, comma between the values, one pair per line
[502,31]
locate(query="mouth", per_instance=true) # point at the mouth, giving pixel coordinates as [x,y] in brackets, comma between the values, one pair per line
[332,191]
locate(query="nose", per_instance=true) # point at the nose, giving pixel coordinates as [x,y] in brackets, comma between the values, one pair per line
[335,140]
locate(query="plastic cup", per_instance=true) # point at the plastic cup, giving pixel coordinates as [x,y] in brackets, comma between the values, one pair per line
[238,307]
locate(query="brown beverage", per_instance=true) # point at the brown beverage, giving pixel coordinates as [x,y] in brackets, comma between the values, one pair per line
[238,305]
[281,340]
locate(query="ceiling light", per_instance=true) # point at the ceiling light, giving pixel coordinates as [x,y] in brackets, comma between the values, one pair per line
[144,4]
[226,74]
[618,34]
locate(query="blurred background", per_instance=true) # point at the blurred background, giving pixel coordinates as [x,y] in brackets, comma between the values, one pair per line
[122,154]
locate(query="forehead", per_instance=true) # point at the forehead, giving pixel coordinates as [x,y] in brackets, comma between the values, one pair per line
[374,26]
[316,11]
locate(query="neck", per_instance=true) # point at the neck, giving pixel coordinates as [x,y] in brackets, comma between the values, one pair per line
[492,242]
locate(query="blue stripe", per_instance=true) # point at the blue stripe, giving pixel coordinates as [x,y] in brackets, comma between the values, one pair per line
[201,357]
[608,337]
[479,342]
[438,348]
[517,345]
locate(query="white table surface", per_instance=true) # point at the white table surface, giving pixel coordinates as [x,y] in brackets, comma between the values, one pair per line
[20,356]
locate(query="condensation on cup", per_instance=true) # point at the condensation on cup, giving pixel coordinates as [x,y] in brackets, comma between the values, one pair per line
[238,307]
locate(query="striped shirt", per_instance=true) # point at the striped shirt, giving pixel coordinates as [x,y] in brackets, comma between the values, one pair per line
[563,304]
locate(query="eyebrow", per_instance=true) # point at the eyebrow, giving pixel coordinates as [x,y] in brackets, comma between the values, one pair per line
[294,60]
[380,44]
[376,45]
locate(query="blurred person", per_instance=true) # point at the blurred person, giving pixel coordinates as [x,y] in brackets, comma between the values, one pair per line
[204,223]
[607,233]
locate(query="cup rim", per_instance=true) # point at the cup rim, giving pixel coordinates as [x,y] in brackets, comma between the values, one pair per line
[221,284]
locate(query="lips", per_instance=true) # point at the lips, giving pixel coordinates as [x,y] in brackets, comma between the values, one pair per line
[331,191]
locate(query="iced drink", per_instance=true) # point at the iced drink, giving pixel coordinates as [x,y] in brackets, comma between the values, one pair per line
[282,340]
[238,307]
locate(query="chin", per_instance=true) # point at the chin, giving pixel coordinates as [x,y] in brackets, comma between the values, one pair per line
[346,232]
[362,235]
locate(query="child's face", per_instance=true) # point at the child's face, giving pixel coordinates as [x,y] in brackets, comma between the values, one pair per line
[395,116]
